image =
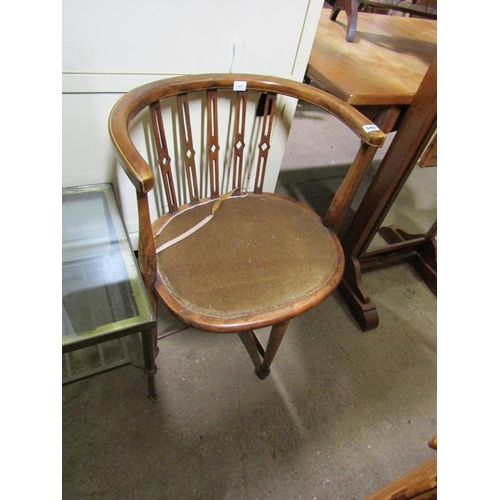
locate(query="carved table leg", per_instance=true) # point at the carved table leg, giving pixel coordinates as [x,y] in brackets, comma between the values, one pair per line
[357,297]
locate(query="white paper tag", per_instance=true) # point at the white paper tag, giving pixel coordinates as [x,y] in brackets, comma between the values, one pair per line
[370,128]
[239,85]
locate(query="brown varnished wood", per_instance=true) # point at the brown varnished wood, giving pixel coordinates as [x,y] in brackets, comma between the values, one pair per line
[383,66]
[267,88]
[265,140]
[419,249]
[253,346]
[417,127]
[350,185]
[433,443]
[164,160]
[138,170]
[213,142]
[146,253]
[187,147]
[261,357]
[239,138]
[357,295]
[276,336]
[380,73]
[418,484]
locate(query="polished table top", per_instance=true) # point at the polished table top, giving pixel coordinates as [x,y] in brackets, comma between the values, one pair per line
[385,63]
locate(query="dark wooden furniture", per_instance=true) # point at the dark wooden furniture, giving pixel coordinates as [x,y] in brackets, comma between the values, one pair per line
[415,131]
[352,7]
[103,295]
[226,256]
[381,71]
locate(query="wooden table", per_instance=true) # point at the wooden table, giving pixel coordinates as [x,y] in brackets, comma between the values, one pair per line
[352,7]
[419,250]
[380,72]
[389,73]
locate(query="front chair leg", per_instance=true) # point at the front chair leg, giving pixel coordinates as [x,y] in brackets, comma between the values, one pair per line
[277,333]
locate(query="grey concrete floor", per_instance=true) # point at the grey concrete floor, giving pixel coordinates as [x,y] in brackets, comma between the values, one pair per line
[343,412]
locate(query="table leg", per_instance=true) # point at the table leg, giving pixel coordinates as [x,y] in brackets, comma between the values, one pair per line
[414,132]
[385,117]
[425,251]
[149,353]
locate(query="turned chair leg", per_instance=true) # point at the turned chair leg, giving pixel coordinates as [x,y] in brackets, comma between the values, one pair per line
[277,333]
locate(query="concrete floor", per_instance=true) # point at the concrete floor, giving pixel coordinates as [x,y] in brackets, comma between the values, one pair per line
[343,412]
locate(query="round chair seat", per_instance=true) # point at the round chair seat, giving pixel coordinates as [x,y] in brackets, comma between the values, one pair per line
[262,258]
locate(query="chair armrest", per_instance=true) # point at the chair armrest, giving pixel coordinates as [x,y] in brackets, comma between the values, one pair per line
[134,165]
[365,129]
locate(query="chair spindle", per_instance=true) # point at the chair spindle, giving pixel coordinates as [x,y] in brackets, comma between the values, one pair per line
[239,138]
[188,151]
[164,159]
[265,140]
[213,143]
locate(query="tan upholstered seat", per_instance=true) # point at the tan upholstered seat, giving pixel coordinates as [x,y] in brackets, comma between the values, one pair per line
[249,259]
[230,257]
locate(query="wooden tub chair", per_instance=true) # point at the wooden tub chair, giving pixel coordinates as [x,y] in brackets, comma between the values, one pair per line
[223,254]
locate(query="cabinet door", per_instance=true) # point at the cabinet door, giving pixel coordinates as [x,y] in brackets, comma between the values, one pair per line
[186,36]
[113,46]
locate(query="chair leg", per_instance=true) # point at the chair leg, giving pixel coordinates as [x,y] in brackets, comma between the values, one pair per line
[277,333]
[351,10]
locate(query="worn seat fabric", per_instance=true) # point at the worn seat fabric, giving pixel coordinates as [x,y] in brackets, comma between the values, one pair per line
[249,258]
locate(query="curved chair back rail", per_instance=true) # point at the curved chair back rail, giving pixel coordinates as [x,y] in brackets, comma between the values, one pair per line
[129,106]
[221,258]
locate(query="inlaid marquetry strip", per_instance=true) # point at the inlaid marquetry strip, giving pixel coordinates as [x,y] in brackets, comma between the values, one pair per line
[164,159]
[213,143]
[188,151]
[265,140]
[239,137]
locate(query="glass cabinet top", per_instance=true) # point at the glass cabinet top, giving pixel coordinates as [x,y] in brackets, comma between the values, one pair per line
[102,289]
